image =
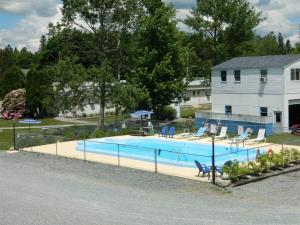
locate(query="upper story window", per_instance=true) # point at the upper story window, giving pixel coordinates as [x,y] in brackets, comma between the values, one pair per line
[295,74]
[237,76]
[228,109]
[263,111]
[263,75]
[223,75]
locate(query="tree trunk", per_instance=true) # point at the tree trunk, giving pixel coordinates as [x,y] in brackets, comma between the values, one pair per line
[102,111]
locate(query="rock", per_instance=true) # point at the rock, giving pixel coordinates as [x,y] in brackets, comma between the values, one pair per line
[225,176]
[223,183]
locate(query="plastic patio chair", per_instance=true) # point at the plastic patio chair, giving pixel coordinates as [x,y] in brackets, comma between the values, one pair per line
[172,132]
[164,131]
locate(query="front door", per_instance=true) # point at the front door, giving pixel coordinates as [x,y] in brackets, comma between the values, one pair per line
[278,122]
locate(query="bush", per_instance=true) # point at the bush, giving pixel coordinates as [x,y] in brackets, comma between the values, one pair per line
[13,105]
[166,113]
[237,171]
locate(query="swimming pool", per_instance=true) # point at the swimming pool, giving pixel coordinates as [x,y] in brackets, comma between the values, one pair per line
[167,151]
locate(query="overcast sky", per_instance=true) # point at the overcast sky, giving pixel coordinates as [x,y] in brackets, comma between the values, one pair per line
[22,22]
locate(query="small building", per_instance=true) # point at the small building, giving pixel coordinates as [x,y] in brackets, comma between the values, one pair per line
[198,92]
[262,91]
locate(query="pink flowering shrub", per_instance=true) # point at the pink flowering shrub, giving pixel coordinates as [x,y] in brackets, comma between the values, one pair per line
[13,105]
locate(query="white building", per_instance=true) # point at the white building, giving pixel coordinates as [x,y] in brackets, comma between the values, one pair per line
[198,92]
[262,90]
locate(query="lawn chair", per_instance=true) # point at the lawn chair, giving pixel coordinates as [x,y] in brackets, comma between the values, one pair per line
[241,138]
[187,134]
[172,132]
[164,131]
[222,135]
[203,169]
[240,130]
[199,133]
[260,137]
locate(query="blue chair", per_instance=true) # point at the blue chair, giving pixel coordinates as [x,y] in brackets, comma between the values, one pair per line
[164,131]
[172,132]
[203,168]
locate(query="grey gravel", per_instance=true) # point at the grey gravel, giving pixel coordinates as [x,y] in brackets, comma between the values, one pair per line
[40,190]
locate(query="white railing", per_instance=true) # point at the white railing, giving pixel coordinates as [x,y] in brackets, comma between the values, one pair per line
[235,117]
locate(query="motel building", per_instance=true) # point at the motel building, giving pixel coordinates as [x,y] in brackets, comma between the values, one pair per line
[256,92]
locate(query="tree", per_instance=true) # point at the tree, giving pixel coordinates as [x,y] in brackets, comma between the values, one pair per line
[103,21]
[225,26]
[288,47]
[101,82]
[281,46]
[69,80]
[40,95]
[12,79]
[159,66]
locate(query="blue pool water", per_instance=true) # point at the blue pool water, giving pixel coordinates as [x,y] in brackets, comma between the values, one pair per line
[168,151]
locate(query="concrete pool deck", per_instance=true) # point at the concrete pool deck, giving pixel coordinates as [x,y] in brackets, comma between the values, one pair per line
[68,149]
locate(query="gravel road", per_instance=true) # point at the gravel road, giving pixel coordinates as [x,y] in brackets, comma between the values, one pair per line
[40,190]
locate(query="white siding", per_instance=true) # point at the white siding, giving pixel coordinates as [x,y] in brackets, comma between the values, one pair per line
[250,94]
[291,91]
[250,82]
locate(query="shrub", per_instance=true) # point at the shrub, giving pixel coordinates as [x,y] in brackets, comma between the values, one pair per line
[235,171]
[263,161]
[255,168]
[295,155]
[166,113]
[13,105]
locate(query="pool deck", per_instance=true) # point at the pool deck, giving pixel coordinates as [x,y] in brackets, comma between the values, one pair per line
[68,149]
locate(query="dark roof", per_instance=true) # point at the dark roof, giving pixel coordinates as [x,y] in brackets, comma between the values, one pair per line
[258,61]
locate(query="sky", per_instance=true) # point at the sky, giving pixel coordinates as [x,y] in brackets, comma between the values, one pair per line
[22,22]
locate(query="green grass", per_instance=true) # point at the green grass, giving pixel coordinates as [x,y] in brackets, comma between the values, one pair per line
[189,111]
[6,139]
[45,122]
[108,119]
[284,138]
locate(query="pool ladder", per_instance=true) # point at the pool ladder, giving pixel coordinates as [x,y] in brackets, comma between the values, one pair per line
[178,151]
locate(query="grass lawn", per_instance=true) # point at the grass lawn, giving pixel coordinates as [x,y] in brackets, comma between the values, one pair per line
[108,119]
[45,122]
[6,139]
[189,111]
[6,136]
[284,138]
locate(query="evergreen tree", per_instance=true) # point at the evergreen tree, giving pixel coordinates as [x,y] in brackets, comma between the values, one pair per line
[225,26]
[159,67]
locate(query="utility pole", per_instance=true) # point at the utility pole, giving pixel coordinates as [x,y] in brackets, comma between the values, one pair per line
[187,63]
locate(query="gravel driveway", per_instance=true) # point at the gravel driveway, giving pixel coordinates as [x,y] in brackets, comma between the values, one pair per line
[41,189]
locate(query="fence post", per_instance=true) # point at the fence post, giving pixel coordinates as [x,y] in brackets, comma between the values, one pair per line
[248,156]
[155,160]
[213,160]
[56,147]
[118,154]
[84,156]
[281,147]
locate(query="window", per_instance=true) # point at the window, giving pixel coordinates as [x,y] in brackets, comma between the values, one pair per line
[263,75]
[228,109]
[295,74]
[237,76]
[278,117]
[263,111]
[198,93]
[223,75]
[194,93]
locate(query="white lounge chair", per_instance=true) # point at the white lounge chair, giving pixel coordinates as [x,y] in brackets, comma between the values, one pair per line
[223,134]
[239,139]
[260,137]
[200,132]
